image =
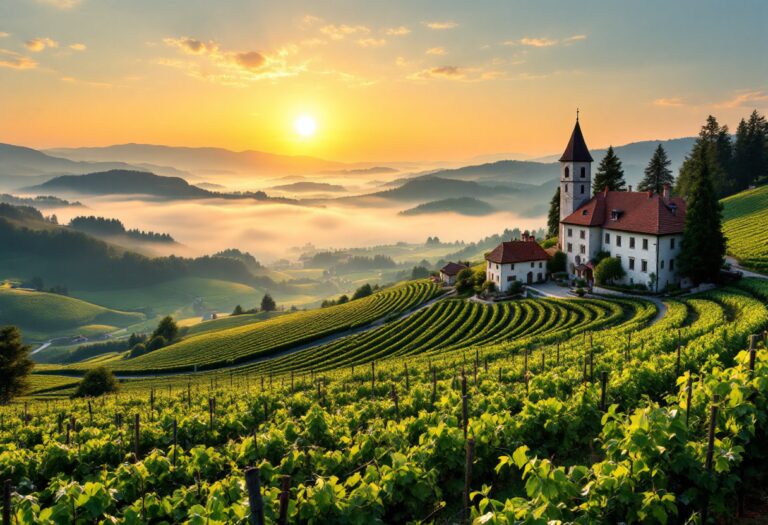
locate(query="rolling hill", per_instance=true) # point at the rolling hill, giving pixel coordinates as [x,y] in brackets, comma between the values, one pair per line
[42,316]
[460,205]
[746,227]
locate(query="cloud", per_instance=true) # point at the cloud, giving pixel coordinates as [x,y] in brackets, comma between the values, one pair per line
[60,4]
[3,34]
[439,51]
[538,42]
[339,32]
[78,47]
[13,60]
[441,25]
[544,41]
[396,31]
[671,102]
[745,98]
[191,46]
[208,61]
[39,44]
[308,21]
[73,80]
[446,72]
[371,42]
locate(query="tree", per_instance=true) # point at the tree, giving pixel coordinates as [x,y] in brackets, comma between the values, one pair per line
[609,173]
[96,382]
[608,270]
[156,343]
[657,173]
[167,329]
[268,304]
[750,153]
[420,272]
[553,219]
[238,310]
[703,245]
[364,291]
[465,280]
[716,141]
[15,364]
[557,263]
[343,299]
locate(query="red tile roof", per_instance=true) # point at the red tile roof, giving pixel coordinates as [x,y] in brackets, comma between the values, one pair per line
[576,150]
[638,212]
[453,268]
[517,251]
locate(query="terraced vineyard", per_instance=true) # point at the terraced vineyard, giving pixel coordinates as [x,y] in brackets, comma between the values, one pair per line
[746,227]
[265,338]
[392,444]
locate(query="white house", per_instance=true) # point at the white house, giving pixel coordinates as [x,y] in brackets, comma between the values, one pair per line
[516,260]
[643,230]
[449,272]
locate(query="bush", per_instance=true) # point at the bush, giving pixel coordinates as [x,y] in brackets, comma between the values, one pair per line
[608,270]
[167,329]
[557,263]
[156,343]
[138,349]
[364,291]
[96,382]
[516,287]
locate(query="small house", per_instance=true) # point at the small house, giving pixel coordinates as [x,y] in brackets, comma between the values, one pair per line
[450,271]
[522,260]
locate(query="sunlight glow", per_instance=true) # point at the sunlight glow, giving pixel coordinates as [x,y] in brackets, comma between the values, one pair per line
[305,126]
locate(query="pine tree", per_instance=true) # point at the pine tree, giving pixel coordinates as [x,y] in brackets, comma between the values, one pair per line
[703,246]
[553,220]
[609,173]
[657,173]
[268,304]
[15,364]
[750,153]
[716,138]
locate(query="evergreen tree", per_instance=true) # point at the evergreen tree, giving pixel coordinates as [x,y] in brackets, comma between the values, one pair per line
[15,364]
[268,304]
[609,173]
[167,329]
[717,141]
[657,173]
[238,310]
[703,245]
[553,220]
[750,153]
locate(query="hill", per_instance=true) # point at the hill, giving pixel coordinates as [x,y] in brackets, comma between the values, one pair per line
[460,205]
[42,316]
[124,182]
[310,187]
[527,172]
[208,161]
[431,187]
[746,227]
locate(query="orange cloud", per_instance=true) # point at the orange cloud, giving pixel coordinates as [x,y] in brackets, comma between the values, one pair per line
[371,42]
[39,44]
[745,99]
[441,25]
[339,32]
[13,60]
[436,51]
[671,102]
[78,47]
[396,31]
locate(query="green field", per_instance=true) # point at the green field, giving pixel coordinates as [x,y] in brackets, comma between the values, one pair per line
[221,347]
[42,316]
[746,227]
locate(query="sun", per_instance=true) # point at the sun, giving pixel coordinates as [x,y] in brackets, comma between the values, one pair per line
[305,126]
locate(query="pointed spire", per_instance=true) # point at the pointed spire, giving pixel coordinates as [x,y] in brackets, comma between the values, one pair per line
[576,150]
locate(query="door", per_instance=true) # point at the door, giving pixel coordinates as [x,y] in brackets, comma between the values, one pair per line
[530,277]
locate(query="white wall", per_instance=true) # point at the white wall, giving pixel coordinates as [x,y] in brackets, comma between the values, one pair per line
[573,198]
[503,275]
[572,235]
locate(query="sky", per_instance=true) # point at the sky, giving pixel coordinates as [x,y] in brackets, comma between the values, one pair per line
[383,81]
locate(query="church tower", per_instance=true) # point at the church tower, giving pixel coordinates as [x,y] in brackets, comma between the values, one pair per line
[575,173]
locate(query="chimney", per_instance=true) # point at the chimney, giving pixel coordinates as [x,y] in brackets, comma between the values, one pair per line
[665,194]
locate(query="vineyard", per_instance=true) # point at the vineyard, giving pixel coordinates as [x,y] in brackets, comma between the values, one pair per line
[541,411]
[746,227]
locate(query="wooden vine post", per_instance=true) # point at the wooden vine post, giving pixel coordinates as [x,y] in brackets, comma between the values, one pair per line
[175,440]
[464,407]
[434,385]
[395,401]
[255,502]
[468,479]
[752,351]
[710,452]
[136,436]
[603,393]
[7,502]
[688,400]
[373,378]
[285,494]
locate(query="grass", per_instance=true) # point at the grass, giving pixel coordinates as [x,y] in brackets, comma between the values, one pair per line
[229,322]
[746,227]
[42,316]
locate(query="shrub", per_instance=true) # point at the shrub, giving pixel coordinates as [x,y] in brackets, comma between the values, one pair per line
[138,349]
[557,263]
[156,343]
[608,270]
[96,382]
[167,329]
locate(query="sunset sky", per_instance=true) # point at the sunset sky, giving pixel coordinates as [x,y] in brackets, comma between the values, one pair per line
[394,80]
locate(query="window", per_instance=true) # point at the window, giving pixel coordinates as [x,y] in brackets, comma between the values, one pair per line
[582,249]
[570,232]
[618,258]
[631,263]
[644,266]
[645,244]
[672,243]
[582,189]
[618,240]
[541,265]
[533,265]
[607,238]
[570,248]
[511,266]
[661,265]
[582,234]
[671,264]
[567,172]
[566,188]
[632,243]
[583,172]
[510,278]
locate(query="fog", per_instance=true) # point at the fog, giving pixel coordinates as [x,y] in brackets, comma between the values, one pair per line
[270,230]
